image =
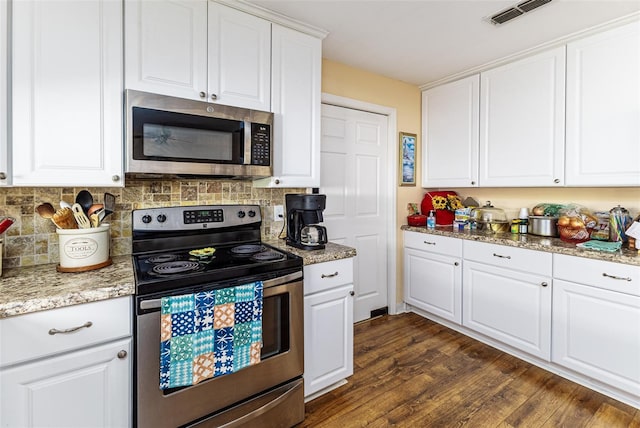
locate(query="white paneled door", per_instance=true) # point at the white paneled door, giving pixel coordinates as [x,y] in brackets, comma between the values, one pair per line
[354,164]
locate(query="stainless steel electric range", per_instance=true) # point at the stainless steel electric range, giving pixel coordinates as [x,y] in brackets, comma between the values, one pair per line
[183,250]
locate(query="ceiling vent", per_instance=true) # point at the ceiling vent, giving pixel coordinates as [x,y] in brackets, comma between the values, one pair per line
[516,11]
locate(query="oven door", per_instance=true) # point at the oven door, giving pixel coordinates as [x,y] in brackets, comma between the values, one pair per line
[264,383]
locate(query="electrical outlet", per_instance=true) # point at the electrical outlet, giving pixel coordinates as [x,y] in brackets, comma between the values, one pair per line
[278,213]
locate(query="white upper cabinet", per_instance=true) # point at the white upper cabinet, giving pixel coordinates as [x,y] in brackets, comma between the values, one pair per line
[603,109]
[296,76]
[239,58]
[4,35]
[67,93]
[522,122]
[450,117]
[166,47]
[198,50]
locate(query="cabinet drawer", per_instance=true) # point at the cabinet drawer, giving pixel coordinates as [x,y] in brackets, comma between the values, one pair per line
[323,276]
[537,262]
[27,337]
[597,273]
[433,243]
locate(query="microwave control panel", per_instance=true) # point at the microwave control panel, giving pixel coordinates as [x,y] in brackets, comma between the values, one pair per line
[260,144]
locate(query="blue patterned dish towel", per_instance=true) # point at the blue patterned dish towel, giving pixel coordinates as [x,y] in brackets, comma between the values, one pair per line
[209,334]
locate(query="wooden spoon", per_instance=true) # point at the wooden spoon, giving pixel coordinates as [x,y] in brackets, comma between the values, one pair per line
[46,210]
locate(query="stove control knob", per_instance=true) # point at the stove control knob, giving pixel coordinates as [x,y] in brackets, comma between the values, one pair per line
[252,213]
[241,214]
[161,218]
[146,219]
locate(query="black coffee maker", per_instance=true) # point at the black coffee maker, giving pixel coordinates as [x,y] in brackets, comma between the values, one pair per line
[303,213]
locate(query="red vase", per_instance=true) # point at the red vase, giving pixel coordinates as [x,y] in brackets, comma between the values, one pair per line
[444,217]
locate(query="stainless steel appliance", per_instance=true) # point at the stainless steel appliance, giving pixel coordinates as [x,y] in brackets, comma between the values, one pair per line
[267,394]
[303,212]
[175,136]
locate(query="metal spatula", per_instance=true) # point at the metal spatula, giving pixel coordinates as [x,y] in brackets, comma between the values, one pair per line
[109,204]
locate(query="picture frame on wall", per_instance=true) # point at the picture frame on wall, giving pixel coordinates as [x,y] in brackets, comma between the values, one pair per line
[407,159]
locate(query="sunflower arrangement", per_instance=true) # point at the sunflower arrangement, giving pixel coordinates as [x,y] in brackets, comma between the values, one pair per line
[450,202]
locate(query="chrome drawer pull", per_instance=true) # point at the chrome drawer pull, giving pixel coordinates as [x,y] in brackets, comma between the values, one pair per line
[502,257]
[616,277]
[330,275]
[70,330]
[429,243]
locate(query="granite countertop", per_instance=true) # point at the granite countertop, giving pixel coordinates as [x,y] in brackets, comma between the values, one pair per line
[41,287]
[330,252]
[532,242]
[38,288]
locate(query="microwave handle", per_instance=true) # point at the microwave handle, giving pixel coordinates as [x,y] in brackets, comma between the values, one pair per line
[247,143]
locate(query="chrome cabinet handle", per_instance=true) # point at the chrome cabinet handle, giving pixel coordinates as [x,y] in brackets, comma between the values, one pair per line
[429,243]
[115,178]
[456,264]
[616,277]
[544,284]
[3,176]
[556,181]
[214,97]
[70,330]
[277,181]
[329,275]
[473,183]
[122,354]
[501,256]
[203,95]
[352,293]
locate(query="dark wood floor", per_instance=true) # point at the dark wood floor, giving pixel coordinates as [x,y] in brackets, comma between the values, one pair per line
[412,372]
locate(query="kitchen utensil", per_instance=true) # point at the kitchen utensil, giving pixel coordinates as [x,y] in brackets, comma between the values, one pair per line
[619,220]
[65,204]
[109,204]
[94,220]
[85,200]
[5,223]
[80,216]
[45,210]
[94,208]
[64,219]
[543,225]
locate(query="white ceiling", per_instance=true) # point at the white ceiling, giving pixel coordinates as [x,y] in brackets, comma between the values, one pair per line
[423,41]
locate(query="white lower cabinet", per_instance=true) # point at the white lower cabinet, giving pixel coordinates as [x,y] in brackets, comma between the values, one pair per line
[596,320]
[507,296]
[433,274]
[328,324]
[67,367]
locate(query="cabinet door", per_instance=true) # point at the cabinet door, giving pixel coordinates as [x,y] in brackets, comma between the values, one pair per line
[87,388]
[603,109]
[67,93]
[328,338]
[522,122]
[597,333]
[433,282]
[450,132]
[239,58]
[4,135]
[510,306]
[166,47]
[296,73]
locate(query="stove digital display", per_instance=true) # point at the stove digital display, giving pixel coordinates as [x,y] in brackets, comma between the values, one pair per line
[203,216]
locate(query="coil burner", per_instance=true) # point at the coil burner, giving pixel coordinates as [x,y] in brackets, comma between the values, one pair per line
[172,268]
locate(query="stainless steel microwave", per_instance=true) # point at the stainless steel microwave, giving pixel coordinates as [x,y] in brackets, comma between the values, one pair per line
[176,136]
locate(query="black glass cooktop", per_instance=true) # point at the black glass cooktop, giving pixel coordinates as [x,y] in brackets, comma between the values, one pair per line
[180,268]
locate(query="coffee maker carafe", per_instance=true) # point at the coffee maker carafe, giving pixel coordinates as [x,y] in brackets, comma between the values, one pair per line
[303,213]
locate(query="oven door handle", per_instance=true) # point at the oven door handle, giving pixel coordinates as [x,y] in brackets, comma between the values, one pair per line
[156,303]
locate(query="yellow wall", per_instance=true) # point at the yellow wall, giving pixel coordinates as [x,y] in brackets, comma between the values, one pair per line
[339,79]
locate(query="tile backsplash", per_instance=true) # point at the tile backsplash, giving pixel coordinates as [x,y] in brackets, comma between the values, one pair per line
[32,240]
